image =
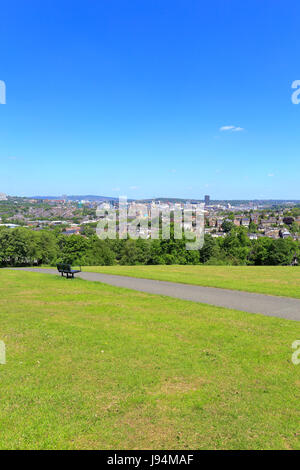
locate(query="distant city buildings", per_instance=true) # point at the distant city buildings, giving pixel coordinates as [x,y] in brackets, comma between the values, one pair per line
[272,219]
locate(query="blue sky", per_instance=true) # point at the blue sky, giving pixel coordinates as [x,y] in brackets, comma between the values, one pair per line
[128,97]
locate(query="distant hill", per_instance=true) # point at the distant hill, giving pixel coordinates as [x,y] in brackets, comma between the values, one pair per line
[170,199]
[79,198]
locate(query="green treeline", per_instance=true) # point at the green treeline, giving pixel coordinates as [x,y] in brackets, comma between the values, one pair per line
[21,247]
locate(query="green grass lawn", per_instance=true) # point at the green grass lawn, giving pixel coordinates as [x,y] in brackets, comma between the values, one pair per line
[273,280]
[91,366]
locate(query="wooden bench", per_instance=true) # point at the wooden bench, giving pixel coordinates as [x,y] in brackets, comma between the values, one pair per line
[67,269]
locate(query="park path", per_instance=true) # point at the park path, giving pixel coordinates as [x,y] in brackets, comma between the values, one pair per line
[273,306]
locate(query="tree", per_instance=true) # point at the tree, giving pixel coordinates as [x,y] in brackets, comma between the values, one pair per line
[99,253]
[17,247]
[259,253]
[235,246]
[46,247]
[73,249]
[210,249]
[135,252]
[281,252]
[252,227]
[227,225]
[294,228]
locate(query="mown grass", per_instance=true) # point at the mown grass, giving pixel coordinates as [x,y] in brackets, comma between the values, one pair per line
[91,366]
[272,280]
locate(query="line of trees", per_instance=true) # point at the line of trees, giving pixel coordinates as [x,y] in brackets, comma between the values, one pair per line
[21,247]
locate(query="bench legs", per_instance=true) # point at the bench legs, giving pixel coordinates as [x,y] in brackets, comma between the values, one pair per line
[68,275]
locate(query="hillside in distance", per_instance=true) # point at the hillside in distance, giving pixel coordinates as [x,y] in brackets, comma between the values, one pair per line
[79,198]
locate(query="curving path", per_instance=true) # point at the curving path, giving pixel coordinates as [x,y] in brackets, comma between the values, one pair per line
[282,307]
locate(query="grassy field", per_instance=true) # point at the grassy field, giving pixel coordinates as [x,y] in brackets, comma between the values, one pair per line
[91,366]
[273,280]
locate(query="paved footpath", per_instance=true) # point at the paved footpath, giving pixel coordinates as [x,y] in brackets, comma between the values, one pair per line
[270,305]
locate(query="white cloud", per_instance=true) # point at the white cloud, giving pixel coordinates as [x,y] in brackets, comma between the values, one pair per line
[270,175]
[231,128]
[133,188]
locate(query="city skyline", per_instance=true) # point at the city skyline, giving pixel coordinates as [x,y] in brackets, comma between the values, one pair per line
[94,197]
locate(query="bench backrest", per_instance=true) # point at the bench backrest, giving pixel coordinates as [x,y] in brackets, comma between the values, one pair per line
[64,267]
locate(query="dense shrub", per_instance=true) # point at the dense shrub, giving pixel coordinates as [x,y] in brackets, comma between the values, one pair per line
[22,246]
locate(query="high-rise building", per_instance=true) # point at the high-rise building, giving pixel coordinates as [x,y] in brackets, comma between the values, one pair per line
[3,197]
[206,200]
